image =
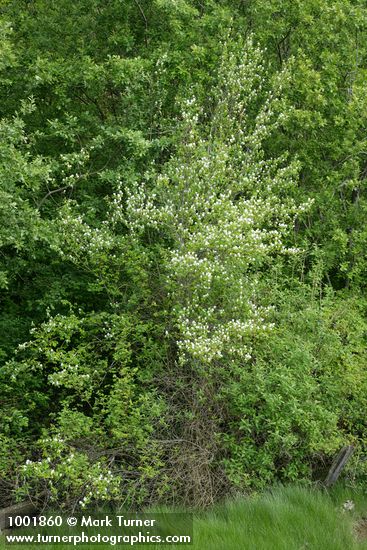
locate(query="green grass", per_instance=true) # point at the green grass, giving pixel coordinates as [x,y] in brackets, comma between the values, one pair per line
[286,518]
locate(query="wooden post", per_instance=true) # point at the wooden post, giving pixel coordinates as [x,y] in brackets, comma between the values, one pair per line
[338,464]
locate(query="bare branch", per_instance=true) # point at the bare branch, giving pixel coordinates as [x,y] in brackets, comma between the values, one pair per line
[59,190]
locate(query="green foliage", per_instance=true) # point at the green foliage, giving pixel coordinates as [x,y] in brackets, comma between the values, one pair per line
[182,238]
[79,373]
[303,394]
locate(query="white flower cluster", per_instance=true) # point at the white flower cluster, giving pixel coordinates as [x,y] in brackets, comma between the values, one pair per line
[78,241]
[100,484]
[62,467]
[225,207]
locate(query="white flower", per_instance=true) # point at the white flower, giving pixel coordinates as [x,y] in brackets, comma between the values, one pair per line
[348,506]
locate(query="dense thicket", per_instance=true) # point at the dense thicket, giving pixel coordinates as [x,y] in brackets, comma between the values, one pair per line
[183,268]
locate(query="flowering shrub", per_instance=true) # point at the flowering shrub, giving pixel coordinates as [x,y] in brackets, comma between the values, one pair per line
[79,371]
[225,212]
[69,477]
[224,208]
